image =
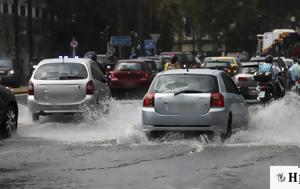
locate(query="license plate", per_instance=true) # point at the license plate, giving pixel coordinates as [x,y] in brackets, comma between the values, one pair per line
[182,108]
[262,94]
[253,91]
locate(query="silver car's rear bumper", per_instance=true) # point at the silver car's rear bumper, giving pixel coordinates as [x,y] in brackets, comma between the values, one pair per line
[215,120]
[42,108]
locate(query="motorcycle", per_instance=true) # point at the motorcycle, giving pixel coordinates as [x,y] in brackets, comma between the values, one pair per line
[296,87]
[265,87]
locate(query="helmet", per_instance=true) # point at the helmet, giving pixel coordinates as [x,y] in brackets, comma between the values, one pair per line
[174,59]
[269,59]
[92,55]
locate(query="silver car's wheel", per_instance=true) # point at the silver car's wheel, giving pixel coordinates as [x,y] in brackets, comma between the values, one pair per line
[229,128]
[10,123]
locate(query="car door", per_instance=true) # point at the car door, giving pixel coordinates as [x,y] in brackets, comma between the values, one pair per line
[238,104]
[101,87]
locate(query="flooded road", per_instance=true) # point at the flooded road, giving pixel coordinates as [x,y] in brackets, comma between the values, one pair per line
[110,151]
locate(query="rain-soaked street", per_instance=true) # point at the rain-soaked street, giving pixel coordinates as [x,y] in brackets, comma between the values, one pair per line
[110,151]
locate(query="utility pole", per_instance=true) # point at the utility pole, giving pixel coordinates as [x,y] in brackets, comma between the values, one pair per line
[17,63]
[193,36]
[141,25]
[29,28]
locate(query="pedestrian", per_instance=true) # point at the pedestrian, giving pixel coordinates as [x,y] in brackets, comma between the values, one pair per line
[173,64]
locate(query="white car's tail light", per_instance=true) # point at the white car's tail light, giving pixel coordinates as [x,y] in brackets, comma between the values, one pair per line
[242,79]
[30,88]
[216,100]
[149,100]
[90,88]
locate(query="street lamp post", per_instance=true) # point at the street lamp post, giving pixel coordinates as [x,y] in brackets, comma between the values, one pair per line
[17,63]
[141,32]
[29,26]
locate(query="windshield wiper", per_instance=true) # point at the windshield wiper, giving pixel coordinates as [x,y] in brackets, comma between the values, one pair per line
[187,91]
[70,77]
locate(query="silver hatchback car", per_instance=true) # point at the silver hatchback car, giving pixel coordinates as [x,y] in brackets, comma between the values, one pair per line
[66,86]
[193,100]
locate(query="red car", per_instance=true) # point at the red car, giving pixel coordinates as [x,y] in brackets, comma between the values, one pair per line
[131,74]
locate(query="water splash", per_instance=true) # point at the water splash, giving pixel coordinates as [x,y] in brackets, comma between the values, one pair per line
[276,124]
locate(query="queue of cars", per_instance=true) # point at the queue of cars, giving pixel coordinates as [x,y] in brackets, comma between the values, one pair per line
[210,99]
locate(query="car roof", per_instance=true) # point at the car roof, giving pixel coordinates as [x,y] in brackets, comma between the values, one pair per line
[149,58]
[132,61]
[191,71]
[250,63]
[258,58]
[66,60]
[223,57]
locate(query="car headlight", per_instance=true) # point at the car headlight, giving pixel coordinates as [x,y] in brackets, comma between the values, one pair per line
[11,72]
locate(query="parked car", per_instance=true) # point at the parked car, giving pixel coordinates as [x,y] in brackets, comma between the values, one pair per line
[193,100]
[131,74]
[245,81]
[8,75]
[8,112]
[66,85]
[219,65]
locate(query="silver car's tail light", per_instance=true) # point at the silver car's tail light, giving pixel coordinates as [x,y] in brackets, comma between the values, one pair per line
[30,88]
[90,88]
[216,100]
[242,79]
[149,100]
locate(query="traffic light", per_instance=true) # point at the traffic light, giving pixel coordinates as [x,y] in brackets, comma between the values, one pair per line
[105,35]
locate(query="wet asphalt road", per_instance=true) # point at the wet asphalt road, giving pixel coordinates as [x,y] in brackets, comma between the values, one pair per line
[111,152]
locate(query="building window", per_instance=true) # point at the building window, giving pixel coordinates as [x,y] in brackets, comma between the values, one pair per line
[37,13]
[44,13]
[5,8]
[22,10]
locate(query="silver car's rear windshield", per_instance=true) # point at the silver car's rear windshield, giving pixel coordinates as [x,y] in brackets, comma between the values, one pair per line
[61,71]
[129,66]
[179,82]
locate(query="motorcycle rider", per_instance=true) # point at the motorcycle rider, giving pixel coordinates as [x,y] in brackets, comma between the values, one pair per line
[268,66]
[294,73]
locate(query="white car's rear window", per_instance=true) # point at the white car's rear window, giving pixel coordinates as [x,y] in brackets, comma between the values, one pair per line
[61,71]
[179,82]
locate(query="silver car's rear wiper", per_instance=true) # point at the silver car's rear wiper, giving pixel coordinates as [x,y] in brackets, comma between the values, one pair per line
[187,91]
[70,77]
